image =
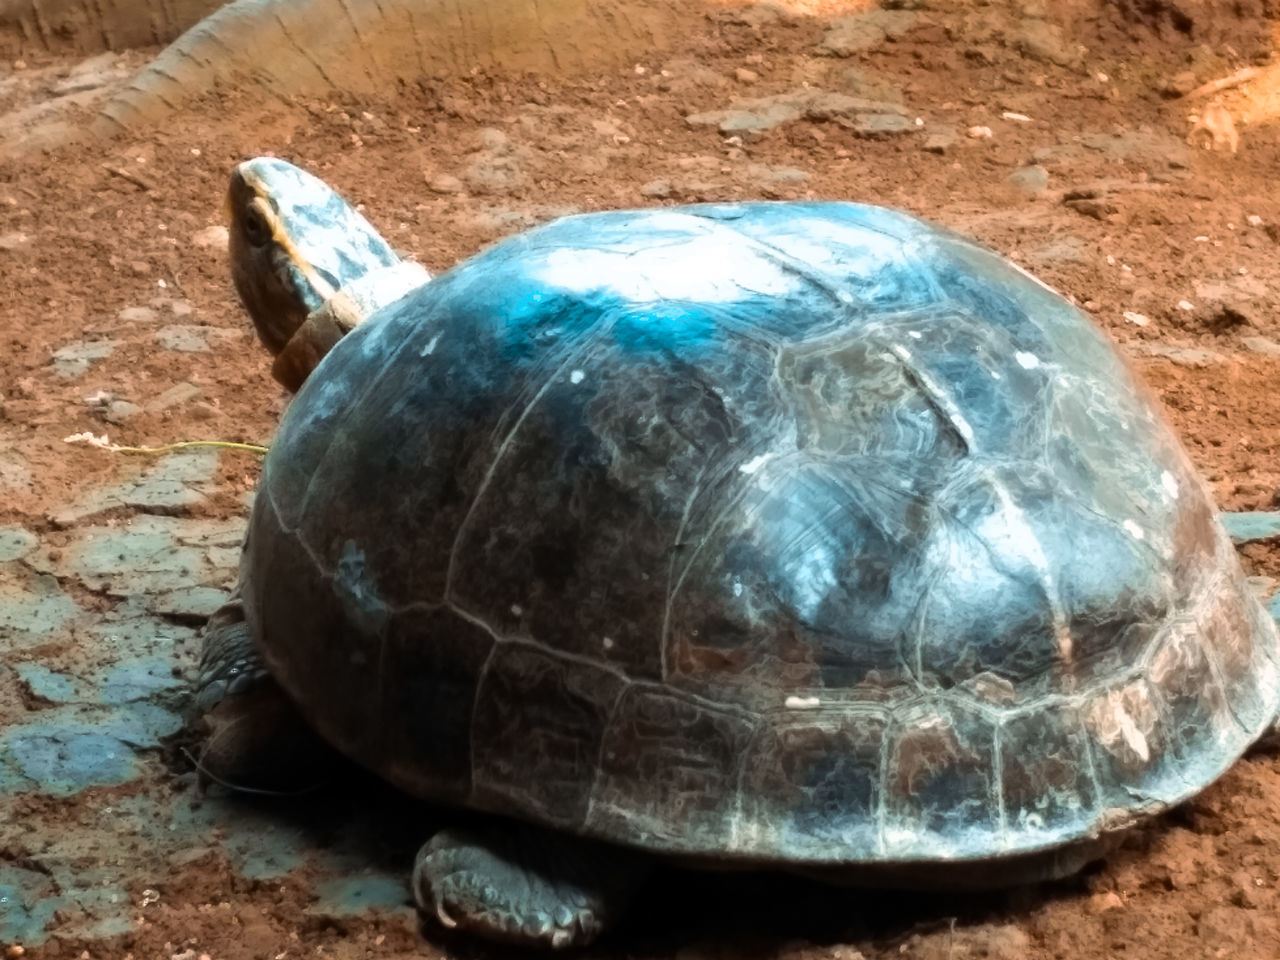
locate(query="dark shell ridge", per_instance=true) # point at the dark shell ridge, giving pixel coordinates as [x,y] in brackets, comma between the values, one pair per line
[779,533]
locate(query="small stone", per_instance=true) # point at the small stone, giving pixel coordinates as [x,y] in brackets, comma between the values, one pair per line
[1263,345]
[1180,84]
[15,474]
[491,138]
[1103,902]
[1182,356]
[940,141]
[657,189]
[74,359]
[444,183]
[761,171]
[137,315]
[979,133]
[161,497]
[15,543]
[181,310]
[880,124]
[140,268]
[13,240]
[1225,926]
[215,237]
[743,75]
[866,31]
[1042,40]
[1100,208]
[1064,249]
[1250,525]
[46,684]
[1249,890]
[1033,179]
[177,394]
[14,950]
[203,411]
[497,172]
[748,120]
[187,603]
[118,411]
[186,338]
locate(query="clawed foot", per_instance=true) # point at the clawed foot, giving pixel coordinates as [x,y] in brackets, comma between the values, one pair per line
[524,885]
[252,737]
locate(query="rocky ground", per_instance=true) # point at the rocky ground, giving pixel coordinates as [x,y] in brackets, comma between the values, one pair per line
[118,319]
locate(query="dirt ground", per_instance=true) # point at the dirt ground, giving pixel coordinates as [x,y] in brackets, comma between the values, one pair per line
[118,318]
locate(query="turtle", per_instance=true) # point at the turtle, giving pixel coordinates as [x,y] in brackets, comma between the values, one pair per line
[801,536]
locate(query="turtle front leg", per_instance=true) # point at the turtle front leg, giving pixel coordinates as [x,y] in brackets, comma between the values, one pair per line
[526,885]
[253,738]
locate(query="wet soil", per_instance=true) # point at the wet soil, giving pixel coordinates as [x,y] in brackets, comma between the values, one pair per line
[117,317]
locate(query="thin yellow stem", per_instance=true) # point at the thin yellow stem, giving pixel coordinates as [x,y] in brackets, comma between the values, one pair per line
[169,447]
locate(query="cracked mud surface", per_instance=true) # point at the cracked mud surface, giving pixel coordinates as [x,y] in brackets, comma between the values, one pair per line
[118,317]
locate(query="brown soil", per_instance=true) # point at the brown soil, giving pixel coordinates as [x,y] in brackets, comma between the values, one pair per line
[90,231]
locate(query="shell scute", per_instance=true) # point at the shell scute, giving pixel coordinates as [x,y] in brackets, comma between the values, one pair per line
[1046,775]
[812,780]
[669,770]
[537,732]
[940,800]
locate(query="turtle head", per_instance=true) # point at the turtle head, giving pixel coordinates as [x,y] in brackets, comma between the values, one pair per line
[294,243]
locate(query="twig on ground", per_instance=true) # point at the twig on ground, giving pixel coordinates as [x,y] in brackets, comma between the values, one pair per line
[1225,83]
[133,178]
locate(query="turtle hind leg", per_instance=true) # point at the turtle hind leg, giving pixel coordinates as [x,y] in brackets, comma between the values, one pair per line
[252,737]
[526,885]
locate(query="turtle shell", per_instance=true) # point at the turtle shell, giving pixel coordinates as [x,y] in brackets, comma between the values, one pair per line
[780,533]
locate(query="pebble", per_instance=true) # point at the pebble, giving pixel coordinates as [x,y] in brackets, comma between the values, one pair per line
[1042,40]
[13,240]
[493,139]
[1250,525]
[1182,356]
[743,75]
[177,394]
[658,189]
[1063,249]
[1228,926]
[140,268]
[1100,208]
[940,140]
[1263,345]
[749,118]
[1102,902]
[1033,179]
[15,543]
[979,133]
[865,31]
[880,124]
[444,183]
[137,315]
[118,411]
[74,359]
[186,338]
[215,237]
[1180,84]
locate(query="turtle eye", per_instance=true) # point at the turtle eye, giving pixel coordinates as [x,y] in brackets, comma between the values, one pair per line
[256,230]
